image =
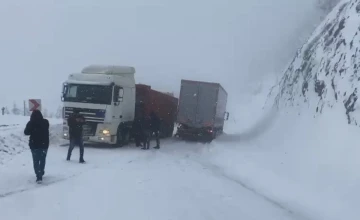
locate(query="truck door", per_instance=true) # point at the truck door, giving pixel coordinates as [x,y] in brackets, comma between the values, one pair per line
[118,100]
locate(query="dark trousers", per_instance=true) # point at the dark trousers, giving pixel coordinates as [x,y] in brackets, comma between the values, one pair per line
[138,138]
[76,142]
[146,139]
[148,136]
[157,134]
[39,160]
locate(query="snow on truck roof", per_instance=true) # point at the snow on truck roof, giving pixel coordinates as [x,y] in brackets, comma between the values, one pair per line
[88,82]
[104,75]
[108,70]
[212,83]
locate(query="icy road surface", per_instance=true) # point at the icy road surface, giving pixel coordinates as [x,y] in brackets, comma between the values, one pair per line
[127,183]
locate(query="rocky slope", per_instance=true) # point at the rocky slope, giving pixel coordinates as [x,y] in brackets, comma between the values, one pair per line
[325,71]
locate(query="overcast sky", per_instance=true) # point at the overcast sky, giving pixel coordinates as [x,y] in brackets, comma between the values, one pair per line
[228,41]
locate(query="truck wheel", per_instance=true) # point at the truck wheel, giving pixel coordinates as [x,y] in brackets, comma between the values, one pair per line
[122,136]
[212,137]
[221,131]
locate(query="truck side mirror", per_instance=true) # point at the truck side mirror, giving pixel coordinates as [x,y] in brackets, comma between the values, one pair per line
[64,91]
[227,115]
[121,95]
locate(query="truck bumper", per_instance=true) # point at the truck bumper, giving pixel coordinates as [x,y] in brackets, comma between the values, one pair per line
[101,139]
[95,139]
[98,136]
[195,134]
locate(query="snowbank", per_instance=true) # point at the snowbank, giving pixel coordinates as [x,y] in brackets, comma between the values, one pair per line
[305,165]
[12,139]
[309,165]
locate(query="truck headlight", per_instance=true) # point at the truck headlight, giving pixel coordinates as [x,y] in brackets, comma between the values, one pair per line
[105,132]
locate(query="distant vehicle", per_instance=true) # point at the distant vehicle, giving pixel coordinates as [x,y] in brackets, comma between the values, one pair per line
[202,110]
[108,98]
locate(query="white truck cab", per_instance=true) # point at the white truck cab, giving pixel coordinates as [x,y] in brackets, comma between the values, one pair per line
[105,96]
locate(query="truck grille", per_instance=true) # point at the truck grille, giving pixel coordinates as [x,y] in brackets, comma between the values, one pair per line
[90,115]
[89,129]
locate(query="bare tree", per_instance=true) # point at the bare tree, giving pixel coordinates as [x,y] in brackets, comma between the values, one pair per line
[15,110]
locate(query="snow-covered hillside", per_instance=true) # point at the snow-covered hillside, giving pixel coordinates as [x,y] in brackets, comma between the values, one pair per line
[308,156]
[324,73]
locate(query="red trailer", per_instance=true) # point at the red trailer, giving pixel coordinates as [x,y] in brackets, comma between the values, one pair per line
[164,105]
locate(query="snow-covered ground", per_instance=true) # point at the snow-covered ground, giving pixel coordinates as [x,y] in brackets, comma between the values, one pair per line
[268,165]
[291,169]
[128,183]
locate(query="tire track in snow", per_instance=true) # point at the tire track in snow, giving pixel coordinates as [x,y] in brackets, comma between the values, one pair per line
[218,171]
[35,186]
[59,180]
[44,183]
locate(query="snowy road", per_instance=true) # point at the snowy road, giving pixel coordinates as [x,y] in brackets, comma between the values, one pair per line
[127,183]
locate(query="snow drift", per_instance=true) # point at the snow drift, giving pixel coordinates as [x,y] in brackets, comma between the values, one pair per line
[12,139]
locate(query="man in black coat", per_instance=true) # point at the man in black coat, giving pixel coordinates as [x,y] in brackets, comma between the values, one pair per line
[145,131]
[75,123]
[38,129]
[155,128]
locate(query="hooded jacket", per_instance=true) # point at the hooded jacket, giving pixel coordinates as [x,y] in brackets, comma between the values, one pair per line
[38,129]
[76,122]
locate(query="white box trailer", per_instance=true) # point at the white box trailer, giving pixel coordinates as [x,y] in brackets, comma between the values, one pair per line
[201,110]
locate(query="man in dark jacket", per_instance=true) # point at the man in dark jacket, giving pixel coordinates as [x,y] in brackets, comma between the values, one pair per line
[137,130]
[145,131]
[38,129]
[155,128]
[75,123]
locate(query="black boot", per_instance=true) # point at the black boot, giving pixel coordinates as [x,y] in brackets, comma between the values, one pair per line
[38,179]
[81,160]
[68,156]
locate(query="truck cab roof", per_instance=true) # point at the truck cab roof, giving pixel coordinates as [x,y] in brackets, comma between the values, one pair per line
[109,70]
[104,75]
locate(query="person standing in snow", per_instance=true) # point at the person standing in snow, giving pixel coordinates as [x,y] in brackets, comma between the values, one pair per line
[38,130]
[146,131]
[137,130]
[75,123]
[155,128]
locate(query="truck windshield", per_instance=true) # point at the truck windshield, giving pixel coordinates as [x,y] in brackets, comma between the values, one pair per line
[96,94]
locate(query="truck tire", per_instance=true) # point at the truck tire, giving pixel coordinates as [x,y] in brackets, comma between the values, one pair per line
[212,136]
[122,136]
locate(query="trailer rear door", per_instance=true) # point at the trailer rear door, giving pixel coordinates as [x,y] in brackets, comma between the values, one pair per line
[187,103]
[207,96]
[197,103]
